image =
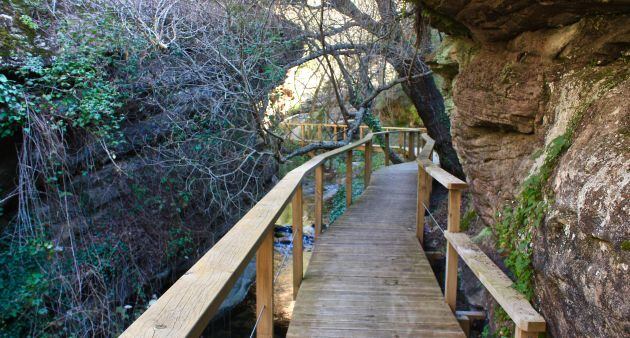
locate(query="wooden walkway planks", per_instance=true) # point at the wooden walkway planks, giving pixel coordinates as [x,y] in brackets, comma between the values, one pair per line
[368,276]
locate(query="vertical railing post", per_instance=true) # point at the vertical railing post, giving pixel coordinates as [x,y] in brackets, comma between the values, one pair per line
[518,333]
[386,149]
[403,151]
[319,198]
[335,133]
[422,192]
[349,172]
[368,164]
[429,187]
[296,211]
[264,286]
[320,135]
[450,281]
[411,153]
[303,132]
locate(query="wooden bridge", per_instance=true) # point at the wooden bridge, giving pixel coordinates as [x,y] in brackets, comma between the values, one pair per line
[368,276]
[403,138]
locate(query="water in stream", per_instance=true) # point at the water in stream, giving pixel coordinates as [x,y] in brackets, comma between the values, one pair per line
[237,316]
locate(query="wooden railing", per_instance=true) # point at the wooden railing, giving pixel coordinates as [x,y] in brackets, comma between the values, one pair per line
[188,305]
[310,132]
[528,322]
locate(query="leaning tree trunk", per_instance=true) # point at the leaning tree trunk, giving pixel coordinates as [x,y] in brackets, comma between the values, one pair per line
[429,103]
[408,63]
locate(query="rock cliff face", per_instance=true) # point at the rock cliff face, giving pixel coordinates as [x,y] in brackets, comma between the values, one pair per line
[523,73]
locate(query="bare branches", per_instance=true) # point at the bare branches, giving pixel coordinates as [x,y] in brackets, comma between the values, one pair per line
[389,85]
[154,18]
[339,49]
[194,152]
[325,145]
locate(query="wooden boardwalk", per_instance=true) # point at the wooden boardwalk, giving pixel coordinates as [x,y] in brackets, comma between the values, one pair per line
[368,275]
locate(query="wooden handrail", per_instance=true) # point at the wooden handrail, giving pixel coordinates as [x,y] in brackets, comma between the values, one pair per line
[497,283]
[343,126]
[188,305]
[528,322]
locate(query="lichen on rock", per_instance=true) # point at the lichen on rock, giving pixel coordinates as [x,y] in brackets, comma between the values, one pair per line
[540,73]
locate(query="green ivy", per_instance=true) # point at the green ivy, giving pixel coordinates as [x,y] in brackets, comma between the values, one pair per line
[74,91]
[24,284]
[12,111]
[467,220]
[29,22]
[180,243]
[516,222]
[338,202]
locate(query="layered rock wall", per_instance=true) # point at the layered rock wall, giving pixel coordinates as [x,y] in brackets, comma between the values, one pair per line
[526,73]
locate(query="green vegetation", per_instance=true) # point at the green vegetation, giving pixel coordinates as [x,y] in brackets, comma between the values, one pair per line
[469,217]
[48,98]
[24,284]
[73,92]
[180,244]
[515,226]
[516,221]
[31,281]
[338,202]
[484,234]
[28,22]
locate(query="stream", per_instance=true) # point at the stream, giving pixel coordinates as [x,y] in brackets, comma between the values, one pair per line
[237,315]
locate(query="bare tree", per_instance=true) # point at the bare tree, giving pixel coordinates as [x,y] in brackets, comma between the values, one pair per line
[191,156]
[378,32]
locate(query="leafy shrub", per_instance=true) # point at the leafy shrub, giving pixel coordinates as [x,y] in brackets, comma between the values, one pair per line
[24,284]
[73,92]
[12,110]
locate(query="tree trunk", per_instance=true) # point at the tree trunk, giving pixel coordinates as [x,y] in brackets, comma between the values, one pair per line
[429,103]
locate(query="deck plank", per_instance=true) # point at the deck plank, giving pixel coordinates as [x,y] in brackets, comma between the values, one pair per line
[368,275]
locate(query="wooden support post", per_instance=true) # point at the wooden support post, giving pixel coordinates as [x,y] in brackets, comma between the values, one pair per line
[368,164]
[345,133]
[361,132]
[464,323]
[319,198]
[303,134]
[386,149]
[422,192]
[429,187]
[411,146]
[349,178]
[518,333]
[335,132]
[296,211]
[264,286]
[320,135]
[404,152]
[450,281]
